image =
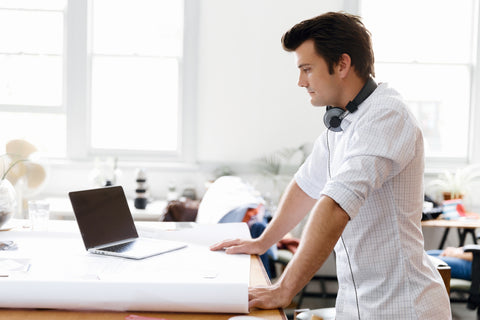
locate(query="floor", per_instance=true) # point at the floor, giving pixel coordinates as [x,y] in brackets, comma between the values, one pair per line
[459,310]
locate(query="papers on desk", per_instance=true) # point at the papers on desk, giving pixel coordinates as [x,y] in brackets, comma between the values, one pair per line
[9,267]
[55,271]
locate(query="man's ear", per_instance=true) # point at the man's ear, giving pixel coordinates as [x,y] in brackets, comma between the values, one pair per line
[344,65]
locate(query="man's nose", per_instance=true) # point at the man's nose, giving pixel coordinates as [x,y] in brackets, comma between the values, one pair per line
[302,82]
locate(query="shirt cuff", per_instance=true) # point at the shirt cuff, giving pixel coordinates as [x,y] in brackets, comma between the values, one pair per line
[344,197]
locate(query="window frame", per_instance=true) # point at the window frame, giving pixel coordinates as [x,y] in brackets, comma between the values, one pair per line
[437,164]
[38,108]
[77,78]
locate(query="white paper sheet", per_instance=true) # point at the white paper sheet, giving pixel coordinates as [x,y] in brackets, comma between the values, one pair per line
[61,274]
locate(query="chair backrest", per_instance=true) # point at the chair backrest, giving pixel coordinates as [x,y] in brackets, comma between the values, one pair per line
[474,297]
[444,270]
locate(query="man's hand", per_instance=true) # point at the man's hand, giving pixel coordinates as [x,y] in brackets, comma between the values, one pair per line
[239,246]
[270,297]
[457,253]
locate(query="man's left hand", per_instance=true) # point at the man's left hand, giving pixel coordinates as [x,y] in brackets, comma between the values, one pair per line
[270,297]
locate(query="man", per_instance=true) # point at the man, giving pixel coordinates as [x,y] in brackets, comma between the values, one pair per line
[363,184]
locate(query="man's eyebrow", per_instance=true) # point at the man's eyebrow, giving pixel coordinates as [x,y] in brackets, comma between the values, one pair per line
[303,65]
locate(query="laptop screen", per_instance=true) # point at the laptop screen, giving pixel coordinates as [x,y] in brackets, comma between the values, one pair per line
[103,215]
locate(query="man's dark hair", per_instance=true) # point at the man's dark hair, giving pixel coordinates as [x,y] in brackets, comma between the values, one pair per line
[335,33]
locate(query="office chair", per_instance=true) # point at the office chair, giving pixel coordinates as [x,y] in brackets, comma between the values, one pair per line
[469,288]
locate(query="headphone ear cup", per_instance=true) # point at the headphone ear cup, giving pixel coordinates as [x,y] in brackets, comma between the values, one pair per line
[332,119]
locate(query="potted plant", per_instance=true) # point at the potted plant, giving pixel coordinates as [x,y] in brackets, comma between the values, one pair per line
[7,194]
[280,166]
[12,169]
[455,185]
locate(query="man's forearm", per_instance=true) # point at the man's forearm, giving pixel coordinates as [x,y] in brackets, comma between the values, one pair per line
[324,228]
[293,207]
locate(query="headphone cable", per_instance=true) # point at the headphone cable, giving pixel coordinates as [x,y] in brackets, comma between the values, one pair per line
[353,279]
[341,236]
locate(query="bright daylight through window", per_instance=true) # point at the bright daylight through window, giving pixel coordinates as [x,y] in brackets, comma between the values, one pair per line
[131,84]
[31,80]
[425,49]
[135,74]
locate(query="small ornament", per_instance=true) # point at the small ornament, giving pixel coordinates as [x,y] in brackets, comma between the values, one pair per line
[141,191]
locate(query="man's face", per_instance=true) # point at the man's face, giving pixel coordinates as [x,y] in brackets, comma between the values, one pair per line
[322,86]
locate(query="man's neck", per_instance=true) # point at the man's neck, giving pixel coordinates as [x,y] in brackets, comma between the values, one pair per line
[352,86]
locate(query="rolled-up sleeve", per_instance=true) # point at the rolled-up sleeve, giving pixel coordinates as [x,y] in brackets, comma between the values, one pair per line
[370,158]
[312,174]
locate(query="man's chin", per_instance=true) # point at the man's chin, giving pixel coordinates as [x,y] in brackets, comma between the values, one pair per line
[316,103]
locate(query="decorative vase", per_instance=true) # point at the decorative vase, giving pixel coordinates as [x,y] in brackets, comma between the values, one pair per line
[7,201]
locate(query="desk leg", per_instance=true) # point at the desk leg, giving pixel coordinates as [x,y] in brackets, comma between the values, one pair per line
[444,238]
[462,234]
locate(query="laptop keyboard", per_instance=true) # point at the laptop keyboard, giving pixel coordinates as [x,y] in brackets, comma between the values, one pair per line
[119,247]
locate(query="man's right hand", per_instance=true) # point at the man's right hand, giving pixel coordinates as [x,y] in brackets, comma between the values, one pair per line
[236,246]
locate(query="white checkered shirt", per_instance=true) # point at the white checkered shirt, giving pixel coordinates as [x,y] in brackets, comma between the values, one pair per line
[376,167]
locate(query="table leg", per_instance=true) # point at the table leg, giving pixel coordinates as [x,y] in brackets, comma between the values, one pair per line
[444,238]
[462,234]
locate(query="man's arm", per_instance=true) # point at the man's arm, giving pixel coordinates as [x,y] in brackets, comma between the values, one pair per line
[324,228]
[294,206]
[457,253]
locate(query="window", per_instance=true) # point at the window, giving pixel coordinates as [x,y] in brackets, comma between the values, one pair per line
[82,78]
[426,50]
[136,53]
[31,80]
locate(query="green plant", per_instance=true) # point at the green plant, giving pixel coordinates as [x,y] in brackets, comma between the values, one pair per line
[223,171]
[282,162]
[279,166]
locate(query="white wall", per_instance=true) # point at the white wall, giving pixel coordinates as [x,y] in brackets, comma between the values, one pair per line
[249,103]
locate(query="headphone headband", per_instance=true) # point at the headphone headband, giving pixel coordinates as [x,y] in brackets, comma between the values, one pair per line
[364,93]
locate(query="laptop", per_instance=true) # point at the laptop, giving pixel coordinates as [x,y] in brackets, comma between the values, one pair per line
[107,226]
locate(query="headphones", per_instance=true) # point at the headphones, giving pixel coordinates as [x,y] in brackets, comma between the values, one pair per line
[334,115]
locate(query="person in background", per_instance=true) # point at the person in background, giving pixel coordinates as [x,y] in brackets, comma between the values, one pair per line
[362,185]
[460,262]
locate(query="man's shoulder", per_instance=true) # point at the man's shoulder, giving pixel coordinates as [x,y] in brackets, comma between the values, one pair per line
[386,101]
[386,97]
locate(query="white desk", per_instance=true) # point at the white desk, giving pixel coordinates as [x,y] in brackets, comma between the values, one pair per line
[53,270]
[258,277]
[61,209]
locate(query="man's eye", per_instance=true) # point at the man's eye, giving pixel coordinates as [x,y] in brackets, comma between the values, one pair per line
[306,70]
